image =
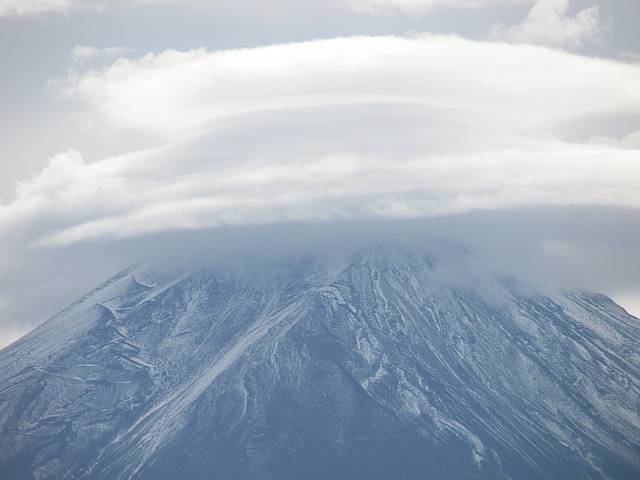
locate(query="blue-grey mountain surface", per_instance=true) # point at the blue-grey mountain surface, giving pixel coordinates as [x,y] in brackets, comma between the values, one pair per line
[364,368]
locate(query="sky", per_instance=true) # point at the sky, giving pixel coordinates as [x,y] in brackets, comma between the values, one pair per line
[148,125]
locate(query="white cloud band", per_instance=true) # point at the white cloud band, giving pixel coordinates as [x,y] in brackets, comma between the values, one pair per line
[346,128]
[528,86]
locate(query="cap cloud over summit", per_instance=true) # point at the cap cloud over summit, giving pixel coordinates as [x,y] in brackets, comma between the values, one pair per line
[356,126]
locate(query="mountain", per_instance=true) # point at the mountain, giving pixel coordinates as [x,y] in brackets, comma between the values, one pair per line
[370,367]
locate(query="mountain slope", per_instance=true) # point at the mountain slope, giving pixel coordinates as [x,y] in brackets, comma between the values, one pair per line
[365,369]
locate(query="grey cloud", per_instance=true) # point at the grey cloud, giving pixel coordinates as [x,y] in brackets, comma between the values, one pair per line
[86,53]
[376,161]
[546,250]
[43,7]
[299,182]
[478,136]
[417,7]
[33,7]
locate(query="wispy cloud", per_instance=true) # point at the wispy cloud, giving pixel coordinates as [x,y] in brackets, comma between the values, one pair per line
[549,23]
[10,8]
[42,7]
[201,184]
[86,53]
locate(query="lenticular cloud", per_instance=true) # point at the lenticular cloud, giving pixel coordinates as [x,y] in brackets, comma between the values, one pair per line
[363,127]
[510,85]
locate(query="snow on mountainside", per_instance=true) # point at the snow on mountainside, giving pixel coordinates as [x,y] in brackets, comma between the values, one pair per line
[367,370]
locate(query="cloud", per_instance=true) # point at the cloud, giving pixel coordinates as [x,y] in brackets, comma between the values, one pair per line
[9,8]
[517,86]
[303,165]
[362,127]
[346,130]
[549,23]
[546,250]
[416,7]
[632,57]
[42,7]
[35,8]
[349,128]
[86,53]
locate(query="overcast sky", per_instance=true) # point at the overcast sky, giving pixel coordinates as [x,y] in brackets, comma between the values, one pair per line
[130,121]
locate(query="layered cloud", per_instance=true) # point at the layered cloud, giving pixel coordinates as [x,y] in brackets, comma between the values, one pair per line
[517,86]
[360,127]
[427,167]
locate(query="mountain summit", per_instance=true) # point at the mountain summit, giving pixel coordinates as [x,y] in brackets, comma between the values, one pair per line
[366,368]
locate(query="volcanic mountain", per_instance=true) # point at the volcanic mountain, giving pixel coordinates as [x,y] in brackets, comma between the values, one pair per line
[370,367]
